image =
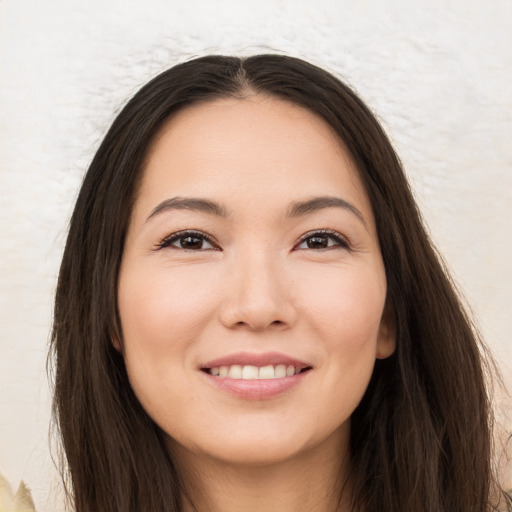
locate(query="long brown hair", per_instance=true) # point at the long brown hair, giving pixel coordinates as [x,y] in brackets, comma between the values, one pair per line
[420,438]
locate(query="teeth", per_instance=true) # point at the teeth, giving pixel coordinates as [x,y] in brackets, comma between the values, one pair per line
[266,372]
[235,372]
[280,371]
[250,372]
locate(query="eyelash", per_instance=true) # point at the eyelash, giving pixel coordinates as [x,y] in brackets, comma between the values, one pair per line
[167,241]
[339,240]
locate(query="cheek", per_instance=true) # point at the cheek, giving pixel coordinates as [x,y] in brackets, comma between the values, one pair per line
[165,309]
[162,316]
[345,305]
[344,316]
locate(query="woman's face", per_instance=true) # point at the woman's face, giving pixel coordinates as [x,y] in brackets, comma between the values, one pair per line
[252,288]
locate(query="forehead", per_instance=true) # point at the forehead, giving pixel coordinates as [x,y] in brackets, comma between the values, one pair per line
[256,149]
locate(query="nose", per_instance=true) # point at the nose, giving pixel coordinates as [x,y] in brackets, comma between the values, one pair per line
[258,296]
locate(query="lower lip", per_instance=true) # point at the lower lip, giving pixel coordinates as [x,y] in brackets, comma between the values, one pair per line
[256,389]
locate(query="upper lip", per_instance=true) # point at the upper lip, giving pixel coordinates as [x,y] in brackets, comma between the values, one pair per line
[253,359]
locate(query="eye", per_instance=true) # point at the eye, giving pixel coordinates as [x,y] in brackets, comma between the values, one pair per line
[323,239]
[188,241]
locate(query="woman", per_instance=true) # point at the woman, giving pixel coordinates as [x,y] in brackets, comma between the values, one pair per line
[250,314]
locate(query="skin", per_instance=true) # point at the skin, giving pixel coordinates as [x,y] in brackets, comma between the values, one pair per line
[257,287]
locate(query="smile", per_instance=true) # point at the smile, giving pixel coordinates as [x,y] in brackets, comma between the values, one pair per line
[252,376]
[250,372]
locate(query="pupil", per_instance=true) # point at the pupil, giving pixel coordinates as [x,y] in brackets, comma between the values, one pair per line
[317,242]
[191,242]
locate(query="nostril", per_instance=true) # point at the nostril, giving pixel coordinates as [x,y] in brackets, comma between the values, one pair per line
[258,326]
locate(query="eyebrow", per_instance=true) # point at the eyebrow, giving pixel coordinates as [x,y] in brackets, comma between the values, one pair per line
[296,209]
[299,208]
[190,203]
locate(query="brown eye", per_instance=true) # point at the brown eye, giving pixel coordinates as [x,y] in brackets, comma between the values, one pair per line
[322,240]
[188,241]
[191,242]
[317,242]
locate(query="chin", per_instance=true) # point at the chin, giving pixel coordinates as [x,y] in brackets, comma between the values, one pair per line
[260,446]
[255,453]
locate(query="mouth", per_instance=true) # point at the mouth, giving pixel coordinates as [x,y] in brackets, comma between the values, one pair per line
[251,376]
[252,372]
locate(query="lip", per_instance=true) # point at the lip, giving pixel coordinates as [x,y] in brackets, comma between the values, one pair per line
[256,389]
[254,359]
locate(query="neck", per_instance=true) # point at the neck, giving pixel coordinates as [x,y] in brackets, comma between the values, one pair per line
[314,480]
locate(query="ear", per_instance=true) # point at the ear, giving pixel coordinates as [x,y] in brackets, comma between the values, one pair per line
[116,344]
[386,340]
[116,335]
[115,338]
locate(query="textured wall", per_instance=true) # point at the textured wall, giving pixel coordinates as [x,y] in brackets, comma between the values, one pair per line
[437,73]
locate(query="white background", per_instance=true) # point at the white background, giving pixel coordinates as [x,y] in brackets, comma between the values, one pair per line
[437,73]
